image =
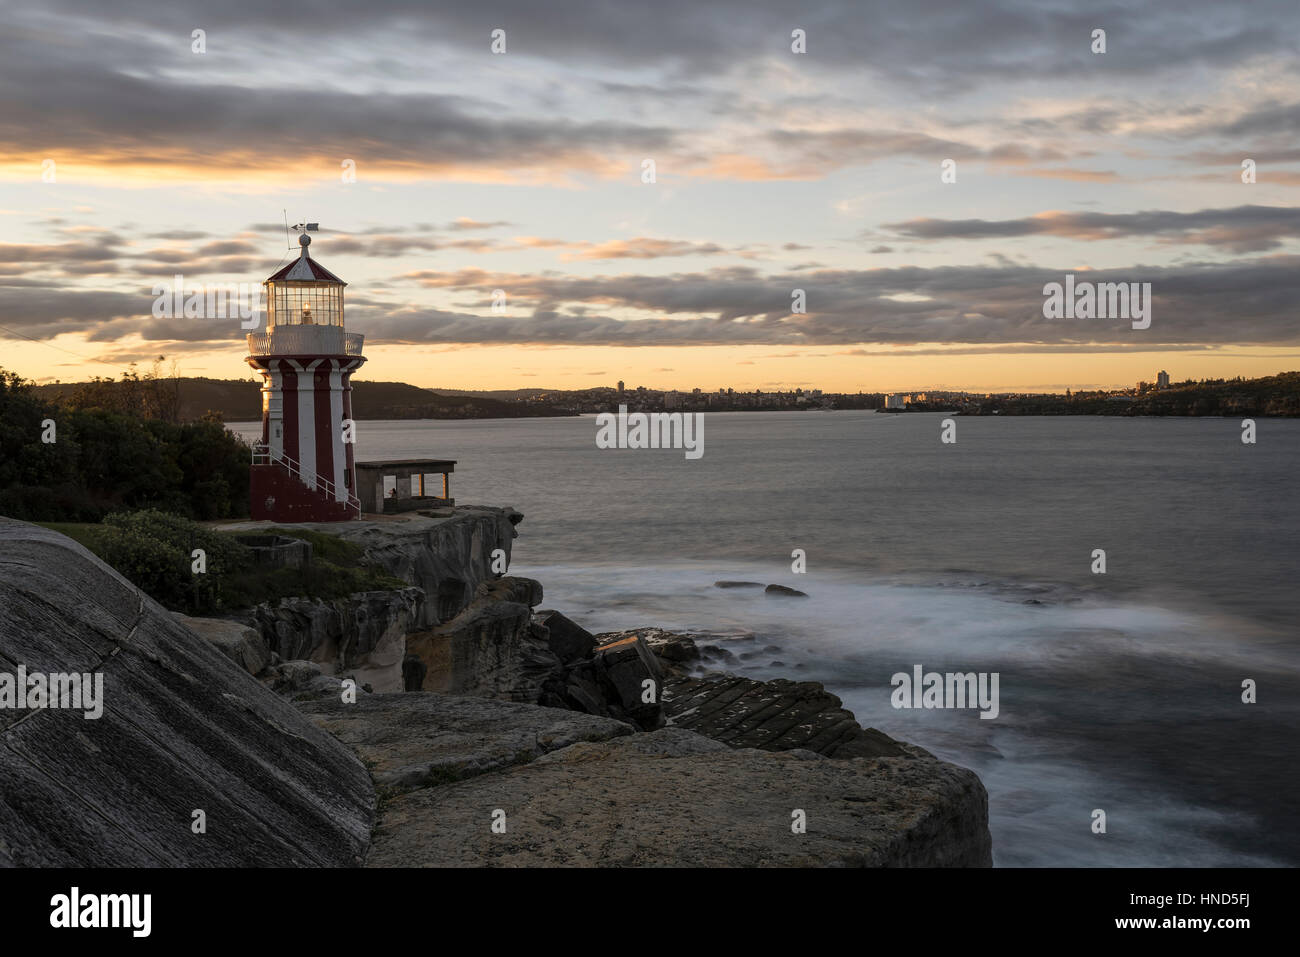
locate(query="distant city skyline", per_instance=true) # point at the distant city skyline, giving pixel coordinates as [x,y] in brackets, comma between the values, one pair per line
[493,217]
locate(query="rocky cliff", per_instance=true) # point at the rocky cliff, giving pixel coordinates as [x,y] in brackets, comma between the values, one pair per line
[363,635]
[446,552]
[447,557]
[453,780]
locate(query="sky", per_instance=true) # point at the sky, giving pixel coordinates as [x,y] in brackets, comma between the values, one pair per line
[133,150]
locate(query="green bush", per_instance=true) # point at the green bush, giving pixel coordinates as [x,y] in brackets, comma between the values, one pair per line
[154,551]
[106,458]
[223,555]
[159,568]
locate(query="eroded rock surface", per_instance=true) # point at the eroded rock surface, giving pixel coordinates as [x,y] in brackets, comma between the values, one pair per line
[363,634]
[493,648]
[663,798]
[418,740]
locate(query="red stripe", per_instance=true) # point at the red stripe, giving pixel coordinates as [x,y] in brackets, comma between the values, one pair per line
[325,432]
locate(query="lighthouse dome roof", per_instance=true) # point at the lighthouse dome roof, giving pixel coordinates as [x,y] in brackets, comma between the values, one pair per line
[307,269]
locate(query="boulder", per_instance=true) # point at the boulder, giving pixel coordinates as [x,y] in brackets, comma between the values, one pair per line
[582,690]
[184,728]
[306,681]
[674,649]
[524,591]
[237,641]
[629,674]
[568,640]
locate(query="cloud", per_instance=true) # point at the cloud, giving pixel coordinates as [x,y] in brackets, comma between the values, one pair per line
[643,247]
[1209,303]
[464,223]
[1240,229]
[91,114]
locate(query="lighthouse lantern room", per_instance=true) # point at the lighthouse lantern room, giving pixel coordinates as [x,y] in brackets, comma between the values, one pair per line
[303,467]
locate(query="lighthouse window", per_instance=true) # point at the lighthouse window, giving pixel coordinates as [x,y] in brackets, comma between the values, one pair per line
[294,304]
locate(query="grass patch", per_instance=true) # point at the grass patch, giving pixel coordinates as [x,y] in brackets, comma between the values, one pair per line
[80,532]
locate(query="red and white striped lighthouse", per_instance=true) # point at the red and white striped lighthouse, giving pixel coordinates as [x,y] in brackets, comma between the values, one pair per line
[303,467]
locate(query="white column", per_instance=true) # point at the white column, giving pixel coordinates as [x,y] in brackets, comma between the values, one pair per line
[307,423]
[336,434]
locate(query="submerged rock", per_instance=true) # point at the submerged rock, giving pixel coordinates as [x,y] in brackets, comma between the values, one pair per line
[784,591]
[730,584]
[778,715]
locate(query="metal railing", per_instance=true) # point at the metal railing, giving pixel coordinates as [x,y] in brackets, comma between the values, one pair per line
[263,454]
[305,341]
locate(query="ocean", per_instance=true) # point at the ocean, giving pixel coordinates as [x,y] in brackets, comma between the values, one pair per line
[1119,692]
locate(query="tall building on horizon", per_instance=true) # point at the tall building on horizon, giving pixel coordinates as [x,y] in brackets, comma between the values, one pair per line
[1162,379]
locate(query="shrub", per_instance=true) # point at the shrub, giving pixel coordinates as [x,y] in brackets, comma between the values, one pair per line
[153,550]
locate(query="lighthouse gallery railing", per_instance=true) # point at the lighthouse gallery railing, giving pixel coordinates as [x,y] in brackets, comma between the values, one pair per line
[263,454]
[305,340]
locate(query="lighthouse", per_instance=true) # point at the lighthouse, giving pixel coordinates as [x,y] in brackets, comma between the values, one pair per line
[303,467]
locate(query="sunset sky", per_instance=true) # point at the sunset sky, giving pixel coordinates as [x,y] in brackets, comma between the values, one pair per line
[522,171]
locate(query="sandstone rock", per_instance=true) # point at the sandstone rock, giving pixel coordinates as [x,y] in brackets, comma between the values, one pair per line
[447,553]
[524,591]
[448,556]
[672,798]
[364,633]
[416,740]
[492,649]
[237,641]
[306,681]
[784,591]
[183,728]
[569,640]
